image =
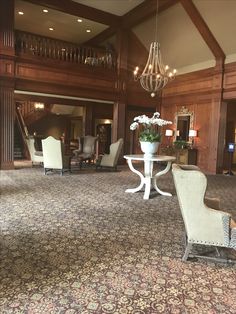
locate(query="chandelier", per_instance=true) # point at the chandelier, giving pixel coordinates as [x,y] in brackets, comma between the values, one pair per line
[155,75]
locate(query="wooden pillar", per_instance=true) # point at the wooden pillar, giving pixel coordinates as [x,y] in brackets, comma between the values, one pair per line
[120,105]
[88,119]
[217,121]
[7,104]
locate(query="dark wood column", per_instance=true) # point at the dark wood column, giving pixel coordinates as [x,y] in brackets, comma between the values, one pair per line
[218,121]
[7,112]
[7,104]
[88,120]
[120,105]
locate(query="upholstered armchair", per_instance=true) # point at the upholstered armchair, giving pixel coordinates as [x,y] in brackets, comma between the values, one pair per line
[36,156]
[87,149]
[204,222]
[110,160]
[54,155]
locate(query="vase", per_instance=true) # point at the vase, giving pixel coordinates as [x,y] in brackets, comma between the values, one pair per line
[149,148]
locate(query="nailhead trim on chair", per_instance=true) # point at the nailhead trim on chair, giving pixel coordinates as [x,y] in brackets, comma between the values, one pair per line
[207,243]
[226,221]
[233,239]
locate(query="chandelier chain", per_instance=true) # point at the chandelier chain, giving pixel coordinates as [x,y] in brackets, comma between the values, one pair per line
[155,75]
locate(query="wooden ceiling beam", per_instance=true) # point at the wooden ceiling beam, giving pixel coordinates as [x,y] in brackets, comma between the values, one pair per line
[203,28]
[80,10]
[136,16]
[144,11]
[107,33]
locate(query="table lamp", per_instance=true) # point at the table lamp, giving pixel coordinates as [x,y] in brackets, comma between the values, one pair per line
[169,133]
[192,134]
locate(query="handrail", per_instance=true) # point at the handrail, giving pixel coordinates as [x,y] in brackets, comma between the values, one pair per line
[22,125]
[49,48]
[23,132]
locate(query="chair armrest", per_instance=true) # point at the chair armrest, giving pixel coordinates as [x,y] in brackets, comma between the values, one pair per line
[232,224]
[212,203]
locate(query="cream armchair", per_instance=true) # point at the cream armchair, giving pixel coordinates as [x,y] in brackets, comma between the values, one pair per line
[110,160]
[204,223]
[36,156]
[54,155]
[87,149]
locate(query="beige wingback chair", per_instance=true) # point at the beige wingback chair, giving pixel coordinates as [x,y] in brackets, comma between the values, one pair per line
[110,160]
[54,155]
[36,156]
[204,222]
[87,149]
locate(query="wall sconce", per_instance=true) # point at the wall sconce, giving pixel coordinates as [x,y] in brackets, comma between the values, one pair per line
[177,133]
[38,106]
[169,133]
[192,134]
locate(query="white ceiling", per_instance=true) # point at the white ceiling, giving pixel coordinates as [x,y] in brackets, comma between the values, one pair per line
[117,7]
[66,26]
[182,46]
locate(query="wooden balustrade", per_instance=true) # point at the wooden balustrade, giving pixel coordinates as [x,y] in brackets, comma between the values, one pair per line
[39,46]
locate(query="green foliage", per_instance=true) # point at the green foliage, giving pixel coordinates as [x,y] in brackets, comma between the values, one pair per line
[181,144]
[149,135]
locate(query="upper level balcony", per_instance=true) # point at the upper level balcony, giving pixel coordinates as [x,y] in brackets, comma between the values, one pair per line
[35,46]
[54,66]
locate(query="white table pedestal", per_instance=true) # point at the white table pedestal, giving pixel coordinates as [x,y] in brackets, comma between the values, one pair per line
[148,179]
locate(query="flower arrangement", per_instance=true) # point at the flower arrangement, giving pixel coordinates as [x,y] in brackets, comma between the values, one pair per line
[148,131]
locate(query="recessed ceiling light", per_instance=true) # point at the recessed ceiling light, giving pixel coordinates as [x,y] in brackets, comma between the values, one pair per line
[88,30]
[80,20]
[45,10]
[20,13]
[51,28]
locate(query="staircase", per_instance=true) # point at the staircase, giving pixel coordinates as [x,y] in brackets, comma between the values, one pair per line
[18,144]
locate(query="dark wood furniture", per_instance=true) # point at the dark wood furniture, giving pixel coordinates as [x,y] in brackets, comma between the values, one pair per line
[187,156]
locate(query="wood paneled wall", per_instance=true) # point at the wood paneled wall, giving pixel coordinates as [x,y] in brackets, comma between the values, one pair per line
[200,92]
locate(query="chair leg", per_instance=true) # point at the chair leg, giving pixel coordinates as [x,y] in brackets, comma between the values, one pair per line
[187,251]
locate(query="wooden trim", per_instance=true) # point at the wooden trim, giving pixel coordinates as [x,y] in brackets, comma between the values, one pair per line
[109,32]
[144,11]
[136,16]
[140,108]
[7,115]
[203,29]
[81,10]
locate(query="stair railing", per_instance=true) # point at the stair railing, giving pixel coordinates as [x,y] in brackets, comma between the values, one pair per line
[23,132]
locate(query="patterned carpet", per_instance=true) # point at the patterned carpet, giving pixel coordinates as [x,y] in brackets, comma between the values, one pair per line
[79,244]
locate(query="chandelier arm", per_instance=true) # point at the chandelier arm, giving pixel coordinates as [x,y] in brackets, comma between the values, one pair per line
[155,75]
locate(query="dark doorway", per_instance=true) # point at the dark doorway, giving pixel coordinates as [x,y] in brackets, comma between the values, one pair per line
[104,135]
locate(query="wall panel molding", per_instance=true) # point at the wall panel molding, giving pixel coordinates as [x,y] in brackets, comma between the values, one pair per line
[7,116]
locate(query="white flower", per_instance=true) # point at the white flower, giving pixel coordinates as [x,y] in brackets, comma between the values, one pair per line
[142,119]
[156,115]
[148,127]
[160,122]
[133,126]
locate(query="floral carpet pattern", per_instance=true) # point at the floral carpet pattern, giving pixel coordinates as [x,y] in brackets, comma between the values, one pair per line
[79,244]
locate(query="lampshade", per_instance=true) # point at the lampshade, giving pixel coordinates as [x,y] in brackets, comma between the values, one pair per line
[192,133]
[177,132]
[38,106]
[169,133]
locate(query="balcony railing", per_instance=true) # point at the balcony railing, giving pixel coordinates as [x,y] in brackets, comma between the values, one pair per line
[48,48]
